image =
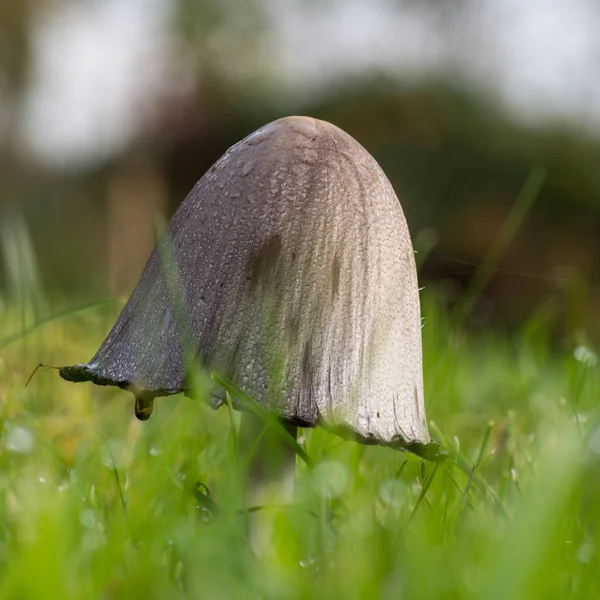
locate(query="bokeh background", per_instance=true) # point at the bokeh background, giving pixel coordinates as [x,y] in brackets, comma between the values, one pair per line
[110,110]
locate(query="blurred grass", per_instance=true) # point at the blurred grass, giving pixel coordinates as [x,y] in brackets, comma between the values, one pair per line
[95,504]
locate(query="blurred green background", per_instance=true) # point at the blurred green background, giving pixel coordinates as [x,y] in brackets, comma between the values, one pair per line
[110,111]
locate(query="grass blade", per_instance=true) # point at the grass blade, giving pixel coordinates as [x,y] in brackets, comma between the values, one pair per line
[252,406]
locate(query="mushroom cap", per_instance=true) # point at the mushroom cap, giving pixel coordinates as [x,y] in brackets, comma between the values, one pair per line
[289,269]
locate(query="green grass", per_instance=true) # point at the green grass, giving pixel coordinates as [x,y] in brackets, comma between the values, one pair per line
[95,504]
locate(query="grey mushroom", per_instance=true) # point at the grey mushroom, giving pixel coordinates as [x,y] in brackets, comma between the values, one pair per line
[288,269]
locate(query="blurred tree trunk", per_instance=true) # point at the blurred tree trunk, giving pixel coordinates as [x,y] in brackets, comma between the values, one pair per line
[136,202]
[14,68]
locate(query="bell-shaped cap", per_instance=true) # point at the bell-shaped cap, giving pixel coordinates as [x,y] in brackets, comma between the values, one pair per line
[290,270]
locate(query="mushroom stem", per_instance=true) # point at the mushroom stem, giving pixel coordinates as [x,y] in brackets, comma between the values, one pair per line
[269,476]
[271,461]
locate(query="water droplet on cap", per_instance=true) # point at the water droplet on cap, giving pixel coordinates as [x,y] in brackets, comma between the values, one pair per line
[143,408]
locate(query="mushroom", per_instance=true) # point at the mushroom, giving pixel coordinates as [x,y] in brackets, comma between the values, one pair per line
[288,269]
